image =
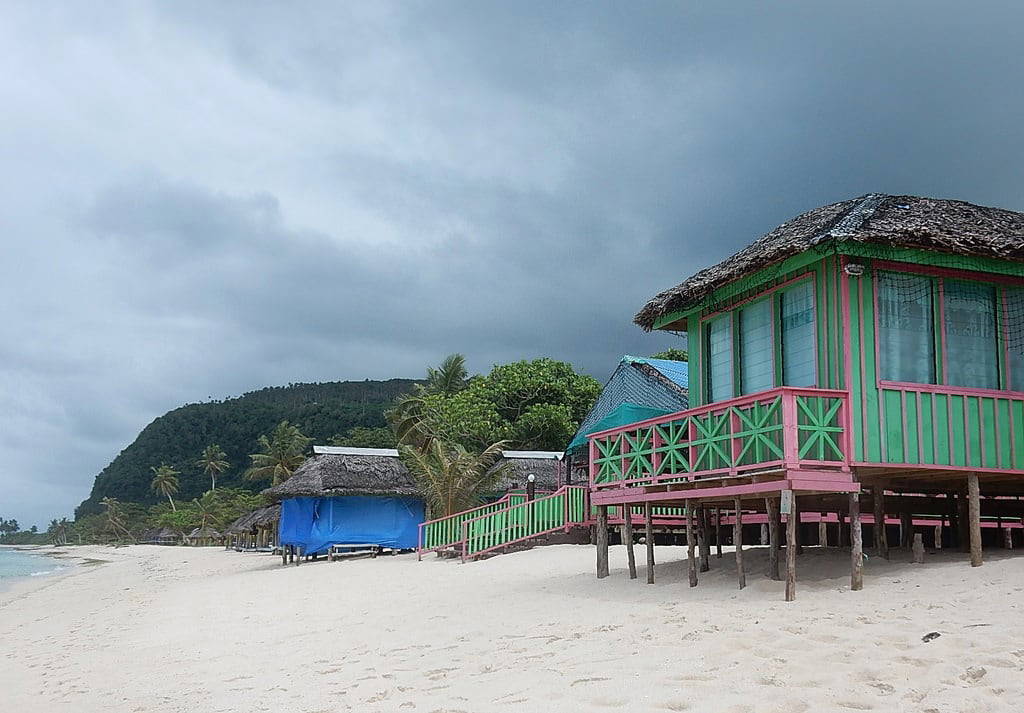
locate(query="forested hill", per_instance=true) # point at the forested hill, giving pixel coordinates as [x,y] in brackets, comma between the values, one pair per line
[178,437]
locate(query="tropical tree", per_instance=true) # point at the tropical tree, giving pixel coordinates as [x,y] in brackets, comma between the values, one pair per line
[280,454]
[364,437]
[672,354]
[450,478]
[207,509]
[115,517]
[165,481]
[449,378]
[410,419]
[213,462]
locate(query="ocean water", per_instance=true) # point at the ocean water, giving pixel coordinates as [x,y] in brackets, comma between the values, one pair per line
[17,563]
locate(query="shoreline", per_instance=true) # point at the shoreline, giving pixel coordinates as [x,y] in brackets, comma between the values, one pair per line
[17,588]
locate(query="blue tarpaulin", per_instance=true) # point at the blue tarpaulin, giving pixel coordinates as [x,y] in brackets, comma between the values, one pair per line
[314,524]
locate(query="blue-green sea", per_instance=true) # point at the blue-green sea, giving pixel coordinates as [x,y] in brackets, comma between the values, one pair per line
[17,563]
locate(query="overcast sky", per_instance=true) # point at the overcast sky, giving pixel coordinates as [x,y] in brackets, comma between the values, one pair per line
[201,199]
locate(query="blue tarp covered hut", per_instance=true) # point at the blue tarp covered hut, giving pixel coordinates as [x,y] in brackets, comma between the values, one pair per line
[639,388]
[349,496]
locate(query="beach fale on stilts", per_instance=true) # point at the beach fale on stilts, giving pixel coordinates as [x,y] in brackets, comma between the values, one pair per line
[863,362]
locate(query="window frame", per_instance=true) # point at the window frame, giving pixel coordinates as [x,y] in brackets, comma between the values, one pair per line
[937,276]
[732,312]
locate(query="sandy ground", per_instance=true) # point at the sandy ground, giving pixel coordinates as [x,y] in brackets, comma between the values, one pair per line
[203,630]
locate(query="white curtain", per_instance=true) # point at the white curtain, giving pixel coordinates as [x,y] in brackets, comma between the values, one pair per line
[720,358]
[970,331]
[797,321]
[906,328]
[756,367]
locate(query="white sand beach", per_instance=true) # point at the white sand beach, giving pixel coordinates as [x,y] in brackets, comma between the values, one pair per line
[204,630]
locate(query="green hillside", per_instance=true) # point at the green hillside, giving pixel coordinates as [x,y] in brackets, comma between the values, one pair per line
[178,437]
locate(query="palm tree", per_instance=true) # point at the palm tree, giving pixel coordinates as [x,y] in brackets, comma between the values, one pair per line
[449,377]
[452,479]
[115,520]
[165,481]
[213,463]
[280,455]
[206,507]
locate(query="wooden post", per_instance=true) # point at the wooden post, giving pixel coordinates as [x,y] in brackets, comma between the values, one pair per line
[702,539]
[627,539]
[649,536]
[1007,538]
[764,533]
[844,531]
[822,531]
[881,538]
[691,541]
[856,546]
[963,522]
[718,533]
[796,531]
[601,535]
[938,536]
[737,541]
[918,548]
[906,529]
[772,506]
[792,522]
[974,514]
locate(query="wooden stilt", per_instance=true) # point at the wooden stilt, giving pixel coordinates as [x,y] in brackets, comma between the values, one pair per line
[702,539]
[796,532]
[906,529]
[822,532]
[737,541]
[918,548]
[792,522]
[844,529]
[1007,538]
[938,537]
[601,535]
[627,539]
[963,522]
[856,546]
[974,514]
[649,536]
[881,538]
[718,533]
[764,534]
[691,542]
[772,506]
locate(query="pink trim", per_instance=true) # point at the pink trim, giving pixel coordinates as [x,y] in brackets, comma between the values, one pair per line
[971,275]
[952,390]
[613,497]
[937,466]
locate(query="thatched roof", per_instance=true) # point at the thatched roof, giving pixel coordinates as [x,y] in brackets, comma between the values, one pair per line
[162,534]
[895,221]
[347,471]
[203,533]
[261,517]
[544,465]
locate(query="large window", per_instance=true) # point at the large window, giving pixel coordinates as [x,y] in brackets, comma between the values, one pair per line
[796,311]
[969,321]
[947,331]
[774,344]
[720,358]
[756,364]
[1013,320]
[906,328]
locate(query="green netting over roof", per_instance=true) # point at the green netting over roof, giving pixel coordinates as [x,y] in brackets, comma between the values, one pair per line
[620,416]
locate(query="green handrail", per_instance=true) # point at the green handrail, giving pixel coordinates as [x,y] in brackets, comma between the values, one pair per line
[523,520]
[447,531]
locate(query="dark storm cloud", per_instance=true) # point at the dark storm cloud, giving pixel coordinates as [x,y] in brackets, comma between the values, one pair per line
[201,199]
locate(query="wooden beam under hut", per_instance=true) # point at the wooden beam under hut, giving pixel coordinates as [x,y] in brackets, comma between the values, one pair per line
[627,539]
[737,541]
[856,545]
[649,537]
[881,539]
[792,520]
[974,515]
[718,533]
[702,540]
[772,507]
[601,537]
[691,541]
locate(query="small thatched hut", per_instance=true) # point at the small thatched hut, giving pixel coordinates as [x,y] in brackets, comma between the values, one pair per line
[349,496]
[204,537]
[254,530]
[161,536]
[518,466]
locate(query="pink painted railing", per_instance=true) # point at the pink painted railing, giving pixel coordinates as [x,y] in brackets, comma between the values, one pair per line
[785,427]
